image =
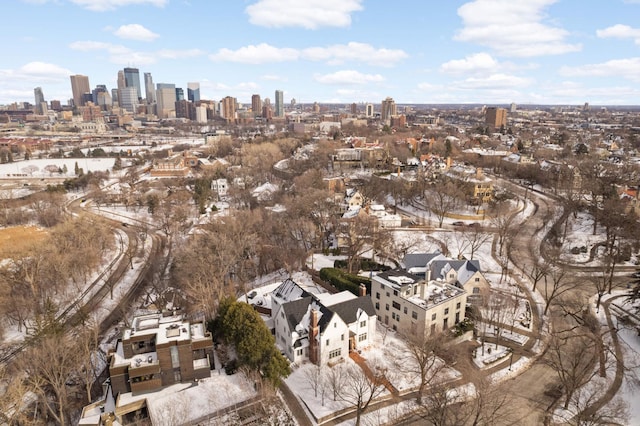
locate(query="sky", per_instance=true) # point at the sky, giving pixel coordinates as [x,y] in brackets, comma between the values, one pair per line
[559,52]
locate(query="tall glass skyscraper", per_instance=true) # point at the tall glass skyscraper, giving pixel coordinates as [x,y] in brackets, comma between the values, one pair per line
[39,98]
[132,79]
[149,88]
[279,103]
[193,92]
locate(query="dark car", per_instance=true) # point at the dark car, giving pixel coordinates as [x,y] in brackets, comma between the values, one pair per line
[458,223]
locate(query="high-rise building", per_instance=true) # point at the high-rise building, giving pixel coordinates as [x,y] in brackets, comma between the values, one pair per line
[179,94]
[128,99]
[79,86]
[149,88]
[354,108]
[193,92]
[256,105]
[316,108]
[279,103]
[56,105]
[496,117]
[114,96]
[369,110]
[100,88]
[132,79]
[39,98]
[166,99]
[228,108]
[388,109]
[201,114]
[103,100]
[121,80]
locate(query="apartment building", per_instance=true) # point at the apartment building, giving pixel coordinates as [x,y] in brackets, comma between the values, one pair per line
[412,305]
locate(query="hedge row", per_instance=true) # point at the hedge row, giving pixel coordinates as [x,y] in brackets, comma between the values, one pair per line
[343,281]
[364,265]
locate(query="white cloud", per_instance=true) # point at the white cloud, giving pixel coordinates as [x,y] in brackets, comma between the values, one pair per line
[104,5]
[258,54]
[348,77]
[119,54]
[478,62]
[354,51]
[333,55]
[135,32]
[44,69]
[626,68]
[620,31]
[513,28]
[494,81]
[273,77]
[310,14]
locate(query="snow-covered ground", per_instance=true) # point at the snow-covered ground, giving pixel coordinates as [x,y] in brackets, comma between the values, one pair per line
[38,167]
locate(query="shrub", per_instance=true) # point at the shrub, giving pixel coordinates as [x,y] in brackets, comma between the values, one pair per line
[343,281]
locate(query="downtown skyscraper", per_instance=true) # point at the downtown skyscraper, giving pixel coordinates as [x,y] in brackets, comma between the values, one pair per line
[193,92]
[279,103]
[79,86]
[149,89]
[132,79]
[40,103]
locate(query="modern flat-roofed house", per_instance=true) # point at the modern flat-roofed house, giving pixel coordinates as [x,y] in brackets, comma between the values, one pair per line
[412,305]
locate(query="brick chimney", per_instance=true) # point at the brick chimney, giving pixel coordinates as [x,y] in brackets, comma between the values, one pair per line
[362,290]
[314,335]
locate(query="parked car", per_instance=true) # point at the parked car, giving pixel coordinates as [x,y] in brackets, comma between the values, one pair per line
[458,223]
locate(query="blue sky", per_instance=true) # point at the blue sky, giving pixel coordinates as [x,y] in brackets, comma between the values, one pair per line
[416,51]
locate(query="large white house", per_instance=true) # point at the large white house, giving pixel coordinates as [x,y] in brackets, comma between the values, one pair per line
[321,328]
[414,306]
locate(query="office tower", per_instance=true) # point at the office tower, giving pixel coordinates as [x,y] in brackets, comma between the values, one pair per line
[256,105]
[132,79]
[496,117]
[114,97]
[193,92]
[149,88]
[279,103]
[166,100]
[79,86]
[39,98]
[103,100]
[513,107]
[369,110]
[121,81]
[228,108]
[128,99]
[100,88]
[179,94]
[56,105]
[354,108]
[387,109]
[201,114]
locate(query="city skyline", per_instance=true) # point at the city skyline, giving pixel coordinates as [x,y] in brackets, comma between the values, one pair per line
[333,51]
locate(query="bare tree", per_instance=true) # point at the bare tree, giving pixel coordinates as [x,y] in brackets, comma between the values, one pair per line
[358,389]
[558,284]
[442,197]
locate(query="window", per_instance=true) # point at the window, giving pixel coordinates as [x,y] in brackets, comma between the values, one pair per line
[415,290]
[363,323]
[446,311]
[362,337]
[477,279]
[457,317]
[433,317]
[335,324]
[445,323]
[327,342]
[335,353]
[458,305]
[342,337]
[387,307]
[387,294]
[476,290]
[414,315]
[408,292]
[377,295]
[405,310]
[395,305]
[299,352]
[452,275]
[393,315]
[175,358]
[395,292]
[377,305]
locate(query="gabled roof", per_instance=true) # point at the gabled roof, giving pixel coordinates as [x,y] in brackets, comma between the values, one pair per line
[420,260]
[289,290]
[464,268]
[350,309]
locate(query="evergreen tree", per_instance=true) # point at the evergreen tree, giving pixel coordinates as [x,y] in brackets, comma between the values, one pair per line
[117,165]
[76,169]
